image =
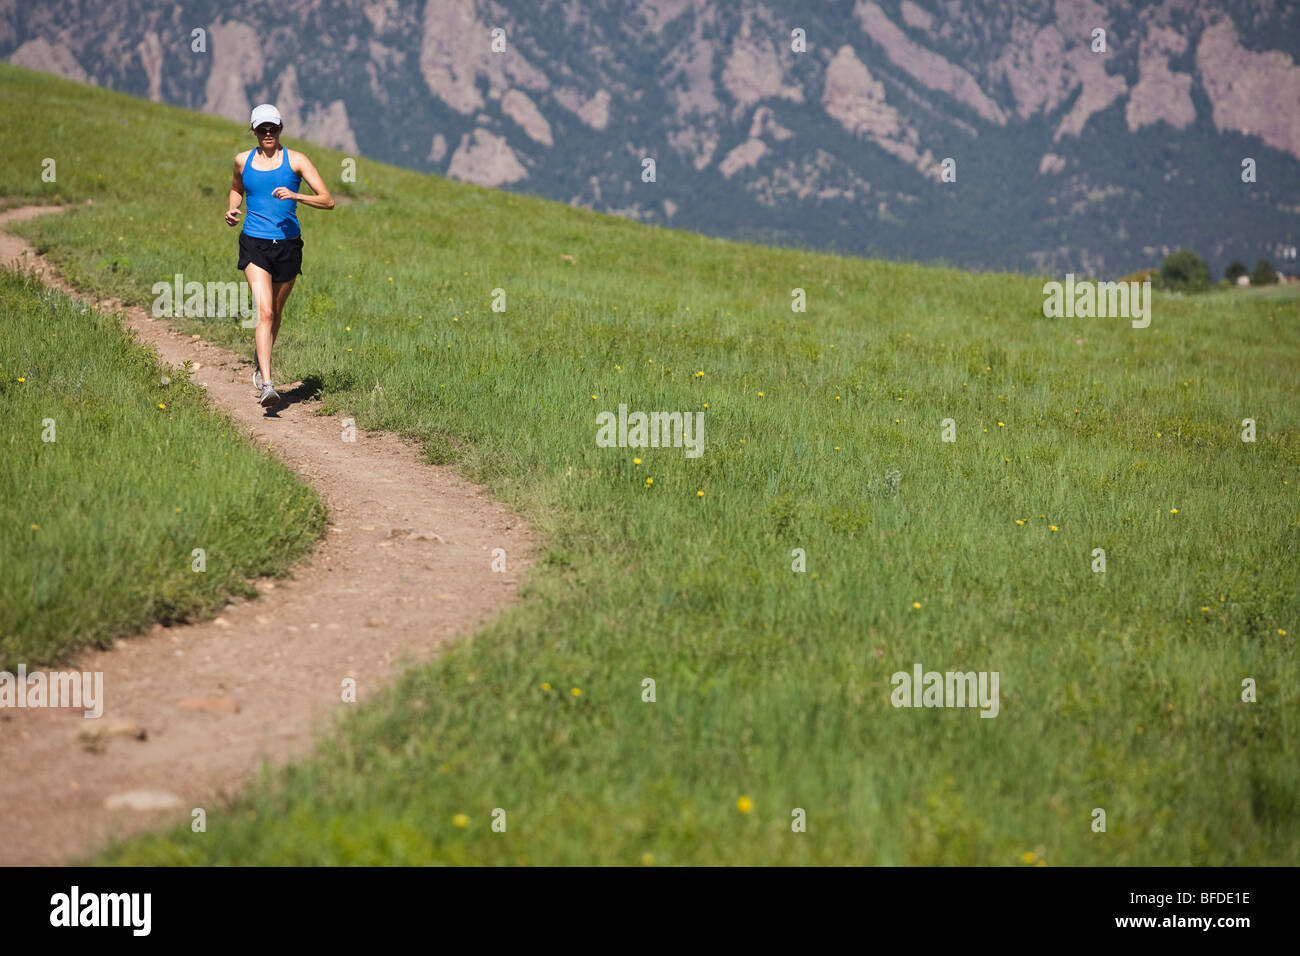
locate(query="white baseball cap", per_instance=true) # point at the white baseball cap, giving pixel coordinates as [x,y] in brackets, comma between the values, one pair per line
[265,113]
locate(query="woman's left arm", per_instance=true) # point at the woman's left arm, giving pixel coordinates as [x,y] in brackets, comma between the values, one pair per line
[304,168]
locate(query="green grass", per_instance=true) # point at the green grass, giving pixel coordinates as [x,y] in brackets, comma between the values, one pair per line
[110,481]
[1116,692]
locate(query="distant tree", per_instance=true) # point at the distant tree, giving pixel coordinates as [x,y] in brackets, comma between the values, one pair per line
[1236,269]
[1264,273]
[1184,271]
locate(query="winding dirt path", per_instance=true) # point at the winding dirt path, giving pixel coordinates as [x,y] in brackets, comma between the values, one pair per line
[263,678]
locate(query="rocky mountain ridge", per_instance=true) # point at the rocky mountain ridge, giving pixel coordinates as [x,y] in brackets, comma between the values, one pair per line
[814,124]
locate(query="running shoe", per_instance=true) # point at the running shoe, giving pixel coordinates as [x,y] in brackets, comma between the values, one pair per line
[269,395]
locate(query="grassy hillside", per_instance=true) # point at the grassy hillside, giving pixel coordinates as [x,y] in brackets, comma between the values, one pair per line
[1120,691]
[113,473]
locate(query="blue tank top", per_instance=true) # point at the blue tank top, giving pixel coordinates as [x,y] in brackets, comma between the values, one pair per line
[268,217]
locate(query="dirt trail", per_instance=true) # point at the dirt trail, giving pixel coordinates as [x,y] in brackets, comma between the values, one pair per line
[262,679]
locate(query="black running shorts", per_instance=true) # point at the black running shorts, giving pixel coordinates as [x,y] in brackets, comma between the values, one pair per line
[280,257]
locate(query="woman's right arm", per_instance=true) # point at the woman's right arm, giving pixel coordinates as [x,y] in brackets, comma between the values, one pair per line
[236,196]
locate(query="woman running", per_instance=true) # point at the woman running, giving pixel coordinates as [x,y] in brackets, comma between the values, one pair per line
[270,245]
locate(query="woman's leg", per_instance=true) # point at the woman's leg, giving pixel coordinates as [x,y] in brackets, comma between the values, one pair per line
[259,281]
[279,296]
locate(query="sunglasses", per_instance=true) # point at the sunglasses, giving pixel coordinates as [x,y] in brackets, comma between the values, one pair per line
[267,130]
